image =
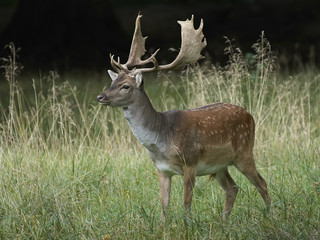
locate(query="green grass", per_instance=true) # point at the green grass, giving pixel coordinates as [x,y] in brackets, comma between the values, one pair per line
[71,169]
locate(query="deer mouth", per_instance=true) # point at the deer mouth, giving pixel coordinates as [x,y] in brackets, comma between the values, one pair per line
[104,103]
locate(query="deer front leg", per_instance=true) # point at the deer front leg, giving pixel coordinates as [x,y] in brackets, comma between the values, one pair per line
[189,181]
[165,189]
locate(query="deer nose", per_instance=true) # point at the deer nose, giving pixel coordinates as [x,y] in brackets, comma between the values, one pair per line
[100,97]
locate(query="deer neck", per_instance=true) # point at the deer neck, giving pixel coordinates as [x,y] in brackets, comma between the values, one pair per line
[146,123]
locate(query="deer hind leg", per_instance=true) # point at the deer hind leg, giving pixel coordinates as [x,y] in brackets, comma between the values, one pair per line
[189,181]
[248,168]
[231,189]
[165,189]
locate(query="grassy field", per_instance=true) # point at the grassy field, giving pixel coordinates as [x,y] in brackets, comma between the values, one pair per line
[71,169]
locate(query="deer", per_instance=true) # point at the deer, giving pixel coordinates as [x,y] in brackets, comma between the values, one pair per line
[191,142]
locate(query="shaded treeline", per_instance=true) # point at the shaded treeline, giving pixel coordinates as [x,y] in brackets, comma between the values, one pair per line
[64,35]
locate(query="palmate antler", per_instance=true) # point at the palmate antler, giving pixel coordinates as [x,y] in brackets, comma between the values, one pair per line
[192,43]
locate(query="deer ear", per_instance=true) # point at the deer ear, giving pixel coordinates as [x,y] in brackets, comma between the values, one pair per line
[112,75]
[139,80]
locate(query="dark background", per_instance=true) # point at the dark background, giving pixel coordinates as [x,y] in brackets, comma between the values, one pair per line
[64,35]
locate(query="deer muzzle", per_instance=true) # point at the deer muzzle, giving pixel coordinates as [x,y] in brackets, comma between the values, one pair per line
[103,99]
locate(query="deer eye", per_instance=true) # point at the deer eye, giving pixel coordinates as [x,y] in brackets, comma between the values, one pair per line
[125,87]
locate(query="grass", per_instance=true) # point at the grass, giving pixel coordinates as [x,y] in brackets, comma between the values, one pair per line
[71,169]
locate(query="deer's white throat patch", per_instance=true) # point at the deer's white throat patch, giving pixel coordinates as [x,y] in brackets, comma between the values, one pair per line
[143,134]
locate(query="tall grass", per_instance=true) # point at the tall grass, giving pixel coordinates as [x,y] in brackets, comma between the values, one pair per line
[71,169]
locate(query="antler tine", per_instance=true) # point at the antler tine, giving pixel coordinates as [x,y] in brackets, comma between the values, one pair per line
[151,59]
[113,63]
[117,66]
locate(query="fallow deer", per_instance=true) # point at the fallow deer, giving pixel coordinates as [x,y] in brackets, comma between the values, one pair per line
[192,142]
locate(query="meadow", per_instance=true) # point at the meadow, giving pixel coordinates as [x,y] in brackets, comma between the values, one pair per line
[71,169]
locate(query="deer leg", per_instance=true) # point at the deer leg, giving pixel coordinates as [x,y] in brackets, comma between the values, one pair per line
[231,189]
[165,189]
[189,181]
[250,171]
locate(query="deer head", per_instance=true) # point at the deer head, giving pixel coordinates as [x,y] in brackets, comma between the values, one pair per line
[127,78]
